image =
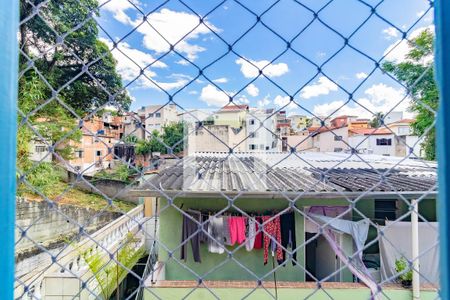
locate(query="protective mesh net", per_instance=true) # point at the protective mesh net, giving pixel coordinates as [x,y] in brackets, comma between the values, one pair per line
[150,165]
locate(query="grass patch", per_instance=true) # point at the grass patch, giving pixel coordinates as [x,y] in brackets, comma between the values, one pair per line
[76,197]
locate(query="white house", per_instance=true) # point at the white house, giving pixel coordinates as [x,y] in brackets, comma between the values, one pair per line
[39,151]
[157,116]
[261,125]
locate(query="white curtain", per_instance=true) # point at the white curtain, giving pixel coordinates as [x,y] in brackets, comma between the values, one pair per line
[396,242]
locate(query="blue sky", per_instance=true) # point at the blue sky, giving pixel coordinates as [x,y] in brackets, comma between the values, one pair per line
[291,74]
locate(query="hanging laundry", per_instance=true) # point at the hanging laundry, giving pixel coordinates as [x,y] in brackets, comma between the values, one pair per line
[226,231]
[287,223]
[250,234]
[259,236]
[272,230]
[215,230]
[237,229]
[190,232]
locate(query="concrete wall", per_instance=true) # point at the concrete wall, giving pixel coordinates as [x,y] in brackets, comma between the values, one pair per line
[112,188]
[51,226]
[170,239]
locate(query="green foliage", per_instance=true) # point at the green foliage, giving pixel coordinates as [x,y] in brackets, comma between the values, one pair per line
[146,147]
[400,266]
[417,73]
[67,61]
[108,272]
[42,177]
[120,172]
[173,137]
[376,121]
[131,139]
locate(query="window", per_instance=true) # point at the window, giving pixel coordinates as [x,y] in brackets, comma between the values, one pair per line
[252,135]
[40,149]
[338,149]
[158,115]
[252,122]
[261,147]
[384,142]
[98,153]
[78,153]
[252,146]
[338,137]
[150,115]
[385,209]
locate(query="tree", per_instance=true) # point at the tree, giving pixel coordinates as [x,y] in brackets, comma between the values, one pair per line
[146,147]
[417,74]
[376,120]
[173,137]
[63,40]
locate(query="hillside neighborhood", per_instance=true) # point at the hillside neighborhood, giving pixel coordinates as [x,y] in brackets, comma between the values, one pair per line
[111,137]
[229,150]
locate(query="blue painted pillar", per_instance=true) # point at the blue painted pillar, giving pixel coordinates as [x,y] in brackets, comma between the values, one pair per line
[9,20]
[442,59]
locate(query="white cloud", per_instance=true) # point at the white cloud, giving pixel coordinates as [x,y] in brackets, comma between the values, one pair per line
[182,62]
[175,27]
[322,87]
[130,61]
[192,92]
[221,80]
[390,33]
[420,13]
[398,51]
[242,99]
[282,101]
[117,8]
[378,98]
[167,28]
[250,68]
[213,96]
[252,90]
[361,75]
[264,102]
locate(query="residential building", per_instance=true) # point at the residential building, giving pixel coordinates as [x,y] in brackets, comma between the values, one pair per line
[158,116]
[299,122]
[215,138]
[232,115]
[134,125]
[328,256]
[96,147]
[380,141]
[406,141]
[261,128]
[317,121]
[39,150]
[300,141]
[329,139]
[283,124]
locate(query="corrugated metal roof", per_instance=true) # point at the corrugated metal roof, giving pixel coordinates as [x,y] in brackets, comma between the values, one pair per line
[249,174]
[267,174]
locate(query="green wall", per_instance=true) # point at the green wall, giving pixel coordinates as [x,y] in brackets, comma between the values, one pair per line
[283,293]
[225,268]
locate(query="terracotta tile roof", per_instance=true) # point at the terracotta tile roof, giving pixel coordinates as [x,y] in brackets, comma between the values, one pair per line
[370,131]
[235,107]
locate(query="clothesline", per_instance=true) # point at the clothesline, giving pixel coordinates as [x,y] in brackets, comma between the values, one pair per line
[275,231]
[208,213]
